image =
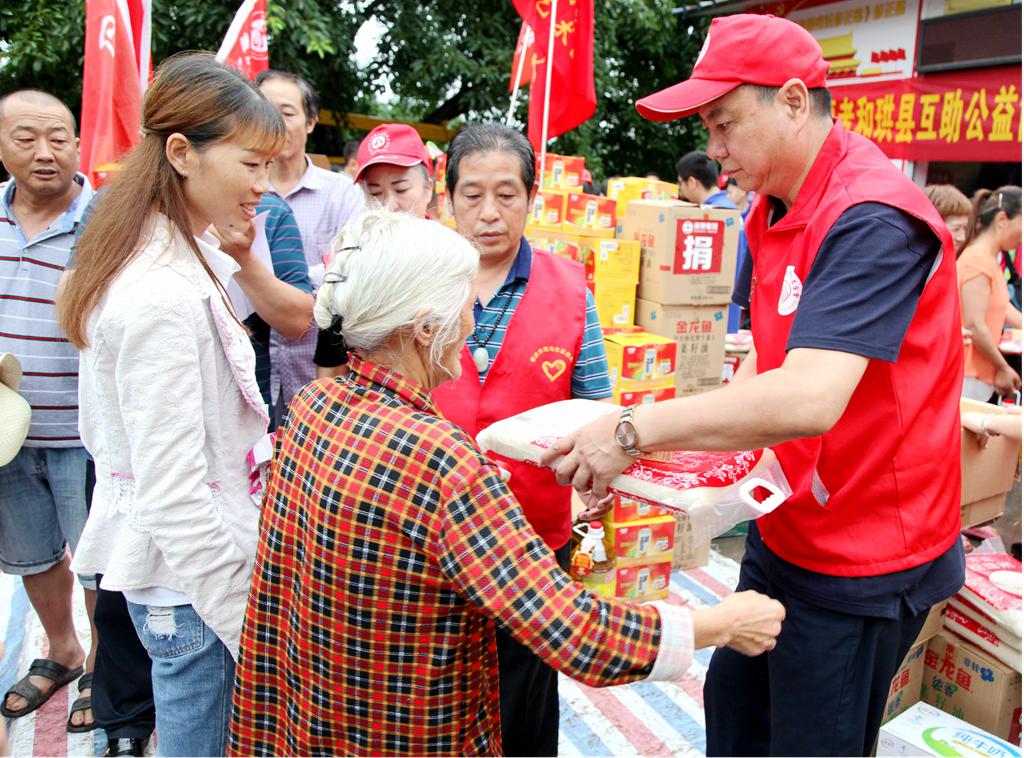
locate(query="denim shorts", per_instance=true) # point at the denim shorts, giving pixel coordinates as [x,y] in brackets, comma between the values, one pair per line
[43,508]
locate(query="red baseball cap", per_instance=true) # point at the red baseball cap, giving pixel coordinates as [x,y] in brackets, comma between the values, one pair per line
[394,144]
[746,48]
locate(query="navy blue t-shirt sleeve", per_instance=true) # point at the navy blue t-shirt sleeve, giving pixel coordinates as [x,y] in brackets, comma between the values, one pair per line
[865,282]
[741,286]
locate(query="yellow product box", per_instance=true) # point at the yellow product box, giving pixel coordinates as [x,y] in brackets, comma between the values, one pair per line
[626,509]
[564,172]
[440,171]
[548,210]
[641,359]
[616,303]
[562,245]
[607,331]
[699,334]
[642,542]
[639,583]
[688,252]
[610,260]
[625,189]
[635,396]
[592,215]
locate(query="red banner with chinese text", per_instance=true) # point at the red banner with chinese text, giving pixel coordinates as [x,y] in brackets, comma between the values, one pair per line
[245,45]
[573,98]
[955,116]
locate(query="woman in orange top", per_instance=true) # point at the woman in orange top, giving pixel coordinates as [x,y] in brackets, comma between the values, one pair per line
[984,297]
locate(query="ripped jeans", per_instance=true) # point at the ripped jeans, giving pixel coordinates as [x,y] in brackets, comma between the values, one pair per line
[193,676]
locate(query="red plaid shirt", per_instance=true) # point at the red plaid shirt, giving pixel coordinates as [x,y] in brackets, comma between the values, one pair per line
[388,544]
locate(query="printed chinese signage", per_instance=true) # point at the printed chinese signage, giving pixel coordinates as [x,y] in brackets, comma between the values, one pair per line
[864,41]
[957,116]
[698,246]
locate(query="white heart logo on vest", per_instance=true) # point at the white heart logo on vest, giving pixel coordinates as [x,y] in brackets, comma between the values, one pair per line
[789,298]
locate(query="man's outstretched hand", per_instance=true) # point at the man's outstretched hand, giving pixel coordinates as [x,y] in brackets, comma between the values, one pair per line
[592,457]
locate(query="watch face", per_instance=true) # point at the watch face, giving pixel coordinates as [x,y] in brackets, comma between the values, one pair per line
[625,435]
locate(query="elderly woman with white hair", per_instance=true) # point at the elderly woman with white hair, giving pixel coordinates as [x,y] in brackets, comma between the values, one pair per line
[389,545]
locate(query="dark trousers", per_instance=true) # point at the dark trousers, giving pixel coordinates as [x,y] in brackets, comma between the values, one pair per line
[529,694]
[122,690]
[820,692]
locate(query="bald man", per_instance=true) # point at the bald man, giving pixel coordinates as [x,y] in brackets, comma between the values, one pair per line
[43,490]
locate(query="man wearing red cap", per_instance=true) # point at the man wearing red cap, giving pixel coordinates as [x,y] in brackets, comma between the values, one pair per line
[853,383]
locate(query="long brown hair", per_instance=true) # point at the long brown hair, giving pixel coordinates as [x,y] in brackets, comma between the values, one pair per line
[986,205]
[203,100]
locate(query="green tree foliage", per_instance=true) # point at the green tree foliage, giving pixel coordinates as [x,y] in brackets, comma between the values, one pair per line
[446,60]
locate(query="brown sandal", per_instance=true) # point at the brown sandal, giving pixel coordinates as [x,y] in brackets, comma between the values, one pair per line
[82,703]
[60,676]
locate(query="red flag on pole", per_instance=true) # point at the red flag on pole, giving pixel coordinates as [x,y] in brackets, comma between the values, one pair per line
[117,68]
[572,98]
[524,60]
[245,45]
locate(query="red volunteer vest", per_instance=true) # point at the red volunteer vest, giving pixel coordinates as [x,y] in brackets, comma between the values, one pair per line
[880,491]
[533,367]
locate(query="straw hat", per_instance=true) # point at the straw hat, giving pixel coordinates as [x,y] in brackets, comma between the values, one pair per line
[15,412]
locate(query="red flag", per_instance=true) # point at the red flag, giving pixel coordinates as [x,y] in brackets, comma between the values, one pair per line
[573,99]
[245,45]
[117,66]
[524,56]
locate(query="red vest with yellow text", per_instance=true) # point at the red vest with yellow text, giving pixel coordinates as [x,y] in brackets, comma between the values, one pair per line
[534,366]
[880,491]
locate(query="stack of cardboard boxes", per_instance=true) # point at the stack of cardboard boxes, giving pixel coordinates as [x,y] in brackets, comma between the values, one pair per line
[687,266]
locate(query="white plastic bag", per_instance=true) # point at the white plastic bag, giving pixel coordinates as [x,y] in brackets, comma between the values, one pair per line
[717,490]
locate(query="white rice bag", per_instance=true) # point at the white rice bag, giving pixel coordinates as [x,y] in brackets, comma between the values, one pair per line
[716,489]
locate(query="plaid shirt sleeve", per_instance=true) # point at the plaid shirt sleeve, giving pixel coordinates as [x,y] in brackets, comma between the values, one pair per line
[590,377]
[496,561]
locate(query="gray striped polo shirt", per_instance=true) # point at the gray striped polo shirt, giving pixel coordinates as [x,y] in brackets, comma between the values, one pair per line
[29,273]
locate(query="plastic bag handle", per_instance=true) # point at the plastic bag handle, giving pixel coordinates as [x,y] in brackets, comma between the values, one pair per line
[768,505]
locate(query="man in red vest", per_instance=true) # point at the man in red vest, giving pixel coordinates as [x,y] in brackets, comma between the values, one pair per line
[853,383]
[537,340]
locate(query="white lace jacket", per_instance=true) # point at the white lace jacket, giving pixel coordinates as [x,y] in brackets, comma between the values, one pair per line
[169,407]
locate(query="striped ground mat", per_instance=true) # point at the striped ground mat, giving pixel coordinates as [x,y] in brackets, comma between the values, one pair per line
[638,719]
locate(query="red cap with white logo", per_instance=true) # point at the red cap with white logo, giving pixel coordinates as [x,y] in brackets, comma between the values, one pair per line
[394,144]
[743,49]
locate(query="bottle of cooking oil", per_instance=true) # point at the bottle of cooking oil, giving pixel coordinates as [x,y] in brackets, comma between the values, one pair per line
[591,552]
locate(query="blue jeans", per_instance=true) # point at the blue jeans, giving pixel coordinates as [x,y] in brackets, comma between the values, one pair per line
[42,509]
[193,676]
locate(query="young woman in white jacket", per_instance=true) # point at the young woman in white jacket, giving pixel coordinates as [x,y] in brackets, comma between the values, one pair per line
[168,397]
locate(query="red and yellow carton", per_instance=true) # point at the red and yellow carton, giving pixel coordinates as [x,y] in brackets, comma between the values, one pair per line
[562,172]
[638,397]
[610,260]
[640,360]
[607,331]
[647,541]
[624,189]
[639,583]
[591,215]
[440,171]
[616,303]
[562,245]
[627,509]
[548,211]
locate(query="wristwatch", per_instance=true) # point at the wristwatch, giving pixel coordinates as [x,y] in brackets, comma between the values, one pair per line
[626,434]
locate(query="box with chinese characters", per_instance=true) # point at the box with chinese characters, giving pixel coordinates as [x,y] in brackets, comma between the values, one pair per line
[589,215]
[688,252]
[689,551]
[625,189]
[699,334]
[962,680]
[905,689]
[640,360]
[609,260]
[924,730]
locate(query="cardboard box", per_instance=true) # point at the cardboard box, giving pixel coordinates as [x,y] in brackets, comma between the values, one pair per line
[905,689]
[556,243]
[638,583]
[699,333]
[968,683]
[990,470]
[688,252]
[608,331]
[640,360]
[548,211]
[651,395]
[625,189]
[564,172]
[610,260]
[689,552]
[591,215]
[982,511]
[730,365]
[932,624]
[616,303]
[639,543]
[626,509]
[923,730]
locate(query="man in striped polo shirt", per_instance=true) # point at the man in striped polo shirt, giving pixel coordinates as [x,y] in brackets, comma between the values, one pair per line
[43,490]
